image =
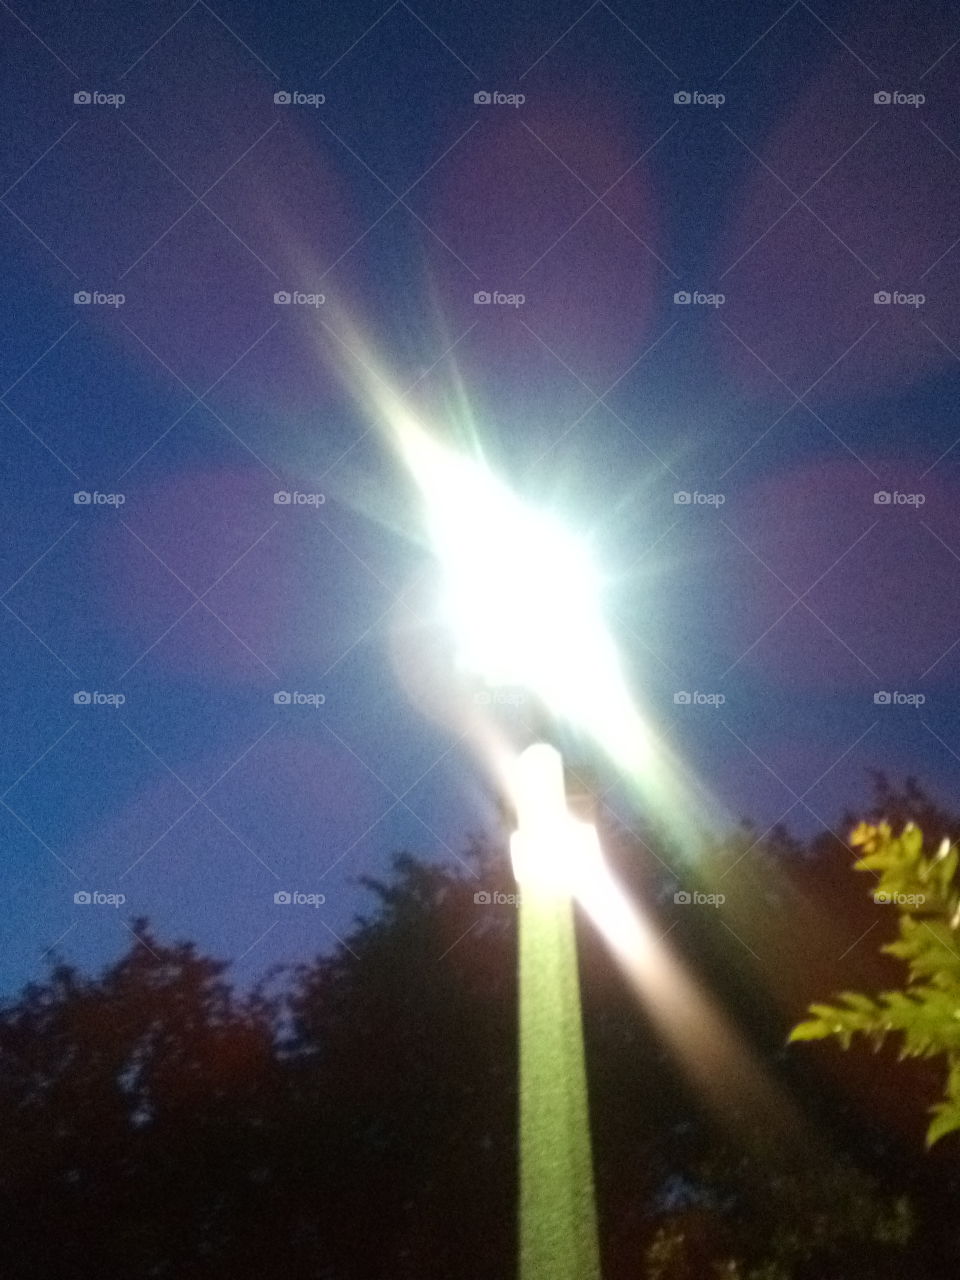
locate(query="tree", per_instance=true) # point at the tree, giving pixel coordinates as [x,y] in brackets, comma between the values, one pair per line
[361,1122]
[128,1118]
[925,1013]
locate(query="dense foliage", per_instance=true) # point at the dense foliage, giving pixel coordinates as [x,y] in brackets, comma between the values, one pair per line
[355,1118]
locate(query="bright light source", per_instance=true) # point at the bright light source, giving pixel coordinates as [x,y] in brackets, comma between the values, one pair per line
[522,598]
[552,852]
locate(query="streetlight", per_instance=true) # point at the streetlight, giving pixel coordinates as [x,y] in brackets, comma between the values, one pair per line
[521,598]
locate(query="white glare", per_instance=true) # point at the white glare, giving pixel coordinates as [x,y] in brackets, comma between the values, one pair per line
[522,598]
[551,851]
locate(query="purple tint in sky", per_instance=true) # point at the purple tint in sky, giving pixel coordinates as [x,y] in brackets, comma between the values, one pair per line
[688,351]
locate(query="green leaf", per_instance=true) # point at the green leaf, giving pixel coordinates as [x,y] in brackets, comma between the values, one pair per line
[875,862]
[947,1121]
[812,1030]
[863,1004]
[925,1012]
[912,841]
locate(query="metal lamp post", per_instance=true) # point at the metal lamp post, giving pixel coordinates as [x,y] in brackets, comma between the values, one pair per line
[557,1212]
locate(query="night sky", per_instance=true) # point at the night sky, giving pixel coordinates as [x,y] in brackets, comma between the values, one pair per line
[733,155]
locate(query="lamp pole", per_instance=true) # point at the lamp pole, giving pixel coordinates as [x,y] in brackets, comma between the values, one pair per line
[557,1212]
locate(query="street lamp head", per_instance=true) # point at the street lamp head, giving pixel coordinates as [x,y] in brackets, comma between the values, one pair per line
[520,592]
[522,597]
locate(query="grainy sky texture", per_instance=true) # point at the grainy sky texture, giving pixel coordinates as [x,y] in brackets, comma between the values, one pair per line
[691,272]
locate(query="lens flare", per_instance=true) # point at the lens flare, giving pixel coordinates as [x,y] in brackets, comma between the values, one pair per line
[712,1051]
[519,594]
[558,859]
[523,598]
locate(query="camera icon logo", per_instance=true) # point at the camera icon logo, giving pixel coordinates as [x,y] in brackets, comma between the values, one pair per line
[881,498]
[682,698]
[482,99]
[282,98]
[81,698]
[482,298]
[82,299]
[282,897]
[882,698]
[81,498]
[81,97]
[282,698]
[881,298]
[682,298]
[682,898]
[482,898]
[82,898]
[882,98]
[682,98]
[281,498]
[681,498]
[281,298]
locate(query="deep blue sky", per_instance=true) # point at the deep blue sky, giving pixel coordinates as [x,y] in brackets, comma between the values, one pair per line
[599,198]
